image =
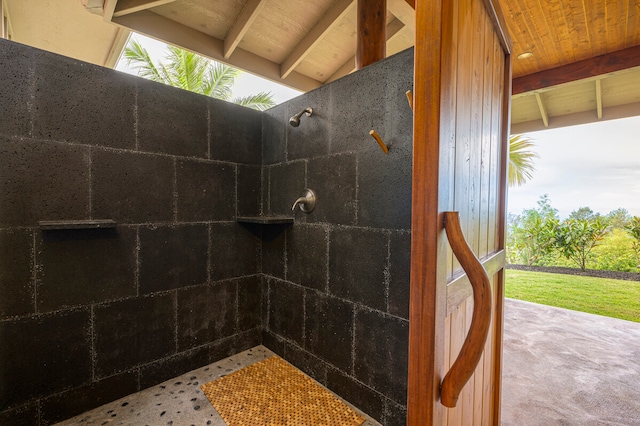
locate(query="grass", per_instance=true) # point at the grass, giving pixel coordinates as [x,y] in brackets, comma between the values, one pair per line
[601,296]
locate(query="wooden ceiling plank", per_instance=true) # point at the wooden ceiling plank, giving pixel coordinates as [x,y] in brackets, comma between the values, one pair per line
[597,26]
[159,27]
[543,109]
[125,7]
[599,98]
[592,67]
[632,29]
[241,26]
[616,18]
[349,66]
[333,15]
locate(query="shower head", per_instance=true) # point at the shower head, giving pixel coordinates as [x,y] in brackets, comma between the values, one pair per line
[295,120]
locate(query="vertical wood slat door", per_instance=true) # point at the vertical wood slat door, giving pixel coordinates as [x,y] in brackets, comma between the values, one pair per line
[462,87]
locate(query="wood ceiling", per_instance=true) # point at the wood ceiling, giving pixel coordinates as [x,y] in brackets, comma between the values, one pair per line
[305,44]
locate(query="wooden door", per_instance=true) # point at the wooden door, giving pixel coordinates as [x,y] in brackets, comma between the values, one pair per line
[462,87]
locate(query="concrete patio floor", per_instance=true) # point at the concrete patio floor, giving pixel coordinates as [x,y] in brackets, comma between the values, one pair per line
[563,367]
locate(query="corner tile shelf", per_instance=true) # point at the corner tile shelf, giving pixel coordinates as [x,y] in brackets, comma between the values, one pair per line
[59,225]
[265,220]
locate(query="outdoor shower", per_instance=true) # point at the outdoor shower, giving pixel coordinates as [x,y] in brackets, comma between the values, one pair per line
[295,120]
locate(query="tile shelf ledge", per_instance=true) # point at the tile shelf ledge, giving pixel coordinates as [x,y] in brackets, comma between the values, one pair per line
[58,225]
[266,220]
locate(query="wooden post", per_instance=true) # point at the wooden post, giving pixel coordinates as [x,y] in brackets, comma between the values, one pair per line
[372,32]
[3,31]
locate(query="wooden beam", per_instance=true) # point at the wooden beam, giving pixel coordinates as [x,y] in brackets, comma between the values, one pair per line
[3,30]
[109,9]
[371,40]
[543,109]
[159,27]
[599,98]
[248,14]
[119,41]
[411,3]
[404,12]
[349,66]
[592,67]
[313,37]
[584,117]
[125,7]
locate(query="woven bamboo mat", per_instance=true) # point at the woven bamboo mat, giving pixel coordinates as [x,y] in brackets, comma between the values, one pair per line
[274,393]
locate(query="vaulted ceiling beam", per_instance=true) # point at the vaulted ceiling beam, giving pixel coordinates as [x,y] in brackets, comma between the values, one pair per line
[154,25]
[599,98]
[592,67]
[371,39]
[125,7]
[402,10]
[313,37]
[248,14]
[543,109]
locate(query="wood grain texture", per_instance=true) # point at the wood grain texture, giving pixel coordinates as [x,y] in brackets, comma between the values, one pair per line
[603,64]
[371,35]
[471,352]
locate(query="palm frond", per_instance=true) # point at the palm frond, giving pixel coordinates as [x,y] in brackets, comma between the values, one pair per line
[260,101]
[219,81]
[139,58]
[521,158]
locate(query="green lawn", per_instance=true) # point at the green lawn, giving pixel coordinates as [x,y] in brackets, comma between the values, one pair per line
[601,296]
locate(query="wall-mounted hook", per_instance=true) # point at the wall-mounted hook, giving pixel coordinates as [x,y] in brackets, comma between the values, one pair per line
[378,139]
[410,98]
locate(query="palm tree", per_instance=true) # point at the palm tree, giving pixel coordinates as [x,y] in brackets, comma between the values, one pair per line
[194,73]
[521,157]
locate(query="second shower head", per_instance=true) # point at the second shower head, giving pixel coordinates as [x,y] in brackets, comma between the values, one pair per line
[295,120]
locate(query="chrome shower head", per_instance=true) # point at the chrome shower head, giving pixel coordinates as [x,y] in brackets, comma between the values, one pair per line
[295,120]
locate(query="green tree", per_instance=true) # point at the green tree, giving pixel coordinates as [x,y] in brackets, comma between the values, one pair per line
[531,235]
[521,158]
[194,73]
[633,228]
[584,213]
[615,253]
[576,238]
[618,218]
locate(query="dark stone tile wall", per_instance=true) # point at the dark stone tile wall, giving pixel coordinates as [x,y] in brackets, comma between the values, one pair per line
[89,316]
[336,287]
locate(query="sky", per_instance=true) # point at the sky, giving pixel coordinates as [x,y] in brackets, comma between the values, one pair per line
[594,165]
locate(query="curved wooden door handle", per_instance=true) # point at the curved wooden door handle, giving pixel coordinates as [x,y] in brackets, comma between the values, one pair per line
[471,351]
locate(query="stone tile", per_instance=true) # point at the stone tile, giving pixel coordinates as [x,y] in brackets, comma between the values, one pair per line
[235,133]
[329,329]
[42,181]
[96,106]
[234,251]
[16,281]
[306,258]
[206,314]
[249,202]
[274,342]
[132,332]
[306,362]
[357,105]
[381,352]
[399,273]
[26,415]
[286,184]
[274,142]
[394,414]
[171,120]
[80,268]
[249,302]
[286,310]
[310,139]
[357,262]
[172,257]
[273,251]
[166,369]
[333,179]
[206,191]
[17,87]
[43,355]
[132,188]
[363,397]
[78,400]
[234,344]
[384,189]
